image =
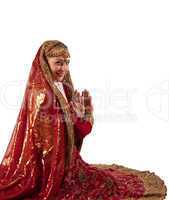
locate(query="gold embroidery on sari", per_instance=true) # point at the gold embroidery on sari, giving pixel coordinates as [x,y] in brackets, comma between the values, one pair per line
[45,152]
[6,161]
[64,104]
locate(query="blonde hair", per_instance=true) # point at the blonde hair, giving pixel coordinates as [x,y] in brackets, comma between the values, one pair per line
[57,48]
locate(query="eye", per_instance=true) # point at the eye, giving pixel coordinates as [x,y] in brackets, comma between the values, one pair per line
[67,62]
[61,62]
[58,62]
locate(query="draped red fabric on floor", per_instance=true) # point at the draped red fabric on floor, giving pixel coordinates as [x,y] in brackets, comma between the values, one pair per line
[42,160]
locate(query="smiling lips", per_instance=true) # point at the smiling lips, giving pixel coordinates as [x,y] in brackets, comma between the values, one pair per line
[60,73]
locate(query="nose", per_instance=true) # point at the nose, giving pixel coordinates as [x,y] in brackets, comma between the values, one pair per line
[62,67]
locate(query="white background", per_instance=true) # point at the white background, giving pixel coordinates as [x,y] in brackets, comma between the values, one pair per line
[120,53]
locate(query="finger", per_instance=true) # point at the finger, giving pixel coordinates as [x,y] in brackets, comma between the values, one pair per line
[75,108]
[83,92]
[84,96]
[82,99]
[71,107]
[72,111]
[86,92]
[78,107]
[75,95]
[89,101]
[78,97]
[75,105]
[79,110]
[75,92]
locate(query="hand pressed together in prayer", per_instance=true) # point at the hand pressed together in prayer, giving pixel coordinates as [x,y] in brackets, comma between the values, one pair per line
[81,105]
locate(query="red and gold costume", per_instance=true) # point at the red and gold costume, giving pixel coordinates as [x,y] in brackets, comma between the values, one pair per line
[43,161]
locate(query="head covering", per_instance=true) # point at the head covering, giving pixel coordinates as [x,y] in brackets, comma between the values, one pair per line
[54,48]
[57,48]
[41,78]
[25,153]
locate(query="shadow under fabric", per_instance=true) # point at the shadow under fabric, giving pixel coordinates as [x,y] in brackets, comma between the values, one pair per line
[42,156]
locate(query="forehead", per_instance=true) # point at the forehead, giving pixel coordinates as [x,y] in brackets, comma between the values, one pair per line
[55,58]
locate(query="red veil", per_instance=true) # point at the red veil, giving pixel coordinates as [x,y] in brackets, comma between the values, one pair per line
[45,145]
[38,134]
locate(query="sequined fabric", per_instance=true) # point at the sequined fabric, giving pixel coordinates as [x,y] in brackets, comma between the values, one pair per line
[84,181]
[42,160]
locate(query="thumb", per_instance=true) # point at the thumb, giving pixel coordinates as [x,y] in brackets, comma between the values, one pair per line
[71,106]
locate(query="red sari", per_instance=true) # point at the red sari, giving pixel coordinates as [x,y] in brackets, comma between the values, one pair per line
[42,160]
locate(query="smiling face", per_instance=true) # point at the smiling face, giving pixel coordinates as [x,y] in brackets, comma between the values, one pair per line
[59,66]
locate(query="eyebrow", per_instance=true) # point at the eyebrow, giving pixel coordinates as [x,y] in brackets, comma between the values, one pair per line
[57,59]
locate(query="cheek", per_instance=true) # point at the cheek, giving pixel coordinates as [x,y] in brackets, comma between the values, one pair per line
[66,69]
[54,68]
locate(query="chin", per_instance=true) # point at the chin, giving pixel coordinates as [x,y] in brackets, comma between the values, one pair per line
[60,79]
